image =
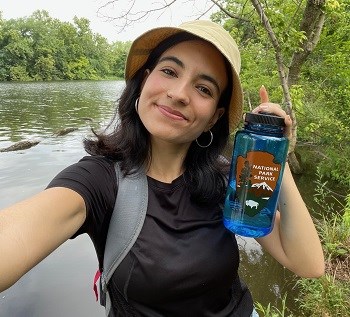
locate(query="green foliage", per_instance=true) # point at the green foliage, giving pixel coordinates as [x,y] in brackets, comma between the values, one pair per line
[323,123]
[329,295]
[323,297]
[321,98]
[324,120]
[80,69]
[119,51]
[272,311]
[18,73]
[333,226]
[258,55]
[346,216]
[44,68]
[42,48]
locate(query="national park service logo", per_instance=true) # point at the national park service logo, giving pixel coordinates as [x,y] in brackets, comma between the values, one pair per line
[256,175]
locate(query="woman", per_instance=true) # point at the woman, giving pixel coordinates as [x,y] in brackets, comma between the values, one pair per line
[182,99]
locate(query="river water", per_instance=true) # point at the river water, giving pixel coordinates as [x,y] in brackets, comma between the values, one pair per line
[61,285]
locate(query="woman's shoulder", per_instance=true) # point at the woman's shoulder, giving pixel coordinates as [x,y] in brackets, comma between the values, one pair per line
[96,162]
[89,170]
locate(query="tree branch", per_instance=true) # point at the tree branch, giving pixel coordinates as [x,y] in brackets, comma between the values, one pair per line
[205,12]
[129,17]
[278,53]
[229,14]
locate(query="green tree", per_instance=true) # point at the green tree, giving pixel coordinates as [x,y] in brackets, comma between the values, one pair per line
[119,54]
[42,48]
[15,51]
[325,92]
[296,28]
[41,28]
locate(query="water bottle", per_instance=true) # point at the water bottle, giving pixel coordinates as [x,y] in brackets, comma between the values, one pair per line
[258,160]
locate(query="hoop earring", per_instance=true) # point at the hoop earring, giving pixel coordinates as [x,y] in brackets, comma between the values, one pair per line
[137,104]
[210,142]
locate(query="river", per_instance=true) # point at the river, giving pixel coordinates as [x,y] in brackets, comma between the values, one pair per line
[61,285]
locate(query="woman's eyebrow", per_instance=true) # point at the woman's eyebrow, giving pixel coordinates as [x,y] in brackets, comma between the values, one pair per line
[173,59]
[181,64]
[212,80]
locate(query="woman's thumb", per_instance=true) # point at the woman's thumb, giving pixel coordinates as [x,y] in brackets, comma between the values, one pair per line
[264,97]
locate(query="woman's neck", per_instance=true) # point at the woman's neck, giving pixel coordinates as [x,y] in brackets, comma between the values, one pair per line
[167,161]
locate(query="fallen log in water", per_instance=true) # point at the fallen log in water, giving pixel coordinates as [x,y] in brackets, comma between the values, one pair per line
[64,131]
[21,145]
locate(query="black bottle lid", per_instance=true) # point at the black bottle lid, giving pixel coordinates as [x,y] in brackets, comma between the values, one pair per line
[264,118]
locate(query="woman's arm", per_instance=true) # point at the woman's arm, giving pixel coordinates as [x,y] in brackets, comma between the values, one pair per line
[294,241]
[30,230]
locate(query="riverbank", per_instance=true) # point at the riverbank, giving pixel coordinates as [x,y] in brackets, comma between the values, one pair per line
[329,295]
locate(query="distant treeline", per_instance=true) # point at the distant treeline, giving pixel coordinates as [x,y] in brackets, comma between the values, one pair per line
[39,47]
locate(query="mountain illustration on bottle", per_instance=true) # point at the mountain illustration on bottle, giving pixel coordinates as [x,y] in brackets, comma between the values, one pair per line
[262,185]
[260,190]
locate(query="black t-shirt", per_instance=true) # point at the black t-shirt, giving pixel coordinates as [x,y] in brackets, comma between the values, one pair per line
[184,262]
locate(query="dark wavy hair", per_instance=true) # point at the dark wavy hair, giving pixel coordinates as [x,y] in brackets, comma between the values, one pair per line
[128,140]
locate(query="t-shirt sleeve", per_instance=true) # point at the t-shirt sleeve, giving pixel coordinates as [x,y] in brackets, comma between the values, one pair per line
[93,178]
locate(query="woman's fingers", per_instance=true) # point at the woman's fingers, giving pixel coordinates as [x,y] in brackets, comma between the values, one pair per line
[288,130]
[273,108]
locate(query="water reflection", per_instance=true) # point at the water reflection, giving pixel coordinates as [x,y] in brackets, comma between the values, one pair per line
[40,109]
[62,284]
[267,279]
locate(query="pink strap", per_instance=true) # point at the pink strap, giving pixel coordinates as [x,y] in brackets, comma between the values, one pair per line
[97,276]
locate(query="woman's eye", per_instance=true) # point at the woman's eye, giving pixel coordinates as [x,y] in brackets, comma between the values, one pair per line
[168,71]
[205,90]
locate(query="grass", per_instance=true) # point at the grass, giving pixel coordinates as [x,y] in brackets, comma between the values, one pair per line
[328,296]
[273,311]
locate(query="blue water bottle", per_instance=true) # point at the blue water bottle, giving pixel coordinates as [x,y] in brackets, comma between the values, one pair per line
[258,160]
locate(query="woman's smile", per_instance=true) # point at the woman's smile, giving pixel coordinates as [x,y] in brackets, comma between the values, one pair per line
[171,113]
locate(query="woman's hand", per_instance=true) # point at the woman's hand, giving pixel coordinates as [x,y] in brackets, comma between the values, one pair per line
[273,108]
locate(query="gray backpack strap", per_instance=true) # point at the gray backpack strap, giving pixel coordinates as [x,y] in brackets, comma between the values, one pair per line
[125,225]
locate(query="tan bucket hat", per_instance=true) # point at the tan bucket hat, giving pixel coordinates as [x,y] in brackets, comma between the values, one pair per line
[207,30]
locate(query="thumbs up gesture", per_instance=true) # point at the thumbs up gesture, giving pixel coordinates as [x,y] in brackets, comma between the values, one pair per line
[273,108]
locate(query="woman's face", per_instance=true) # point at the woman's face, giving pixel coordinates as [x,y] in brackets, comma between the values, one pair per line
[179,97]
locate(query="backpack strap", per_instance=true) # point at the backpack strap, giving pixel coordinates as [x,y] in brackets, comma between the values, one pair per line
[125,225]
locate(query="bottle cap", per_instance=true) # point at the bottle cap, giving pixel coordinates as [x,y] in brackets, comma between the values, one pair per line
[264,118]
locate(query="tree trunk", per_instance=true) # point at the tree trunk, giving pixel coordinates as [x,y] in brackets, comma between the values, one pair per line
[293,161]
[311,25]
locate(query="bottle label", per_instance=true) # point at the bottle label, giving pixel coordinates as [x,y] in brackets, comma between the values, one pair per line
[256,176]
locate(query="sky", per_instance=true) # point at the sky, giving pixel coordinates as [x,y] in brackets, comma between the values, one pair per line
[65,10]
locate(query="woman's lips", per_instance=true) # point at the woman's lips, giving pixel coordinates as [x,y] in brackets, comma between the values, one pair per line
[171,113]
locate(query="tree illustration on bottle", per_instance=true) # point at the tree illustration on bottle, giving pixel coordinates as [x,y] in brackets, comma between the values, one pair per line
[244,182]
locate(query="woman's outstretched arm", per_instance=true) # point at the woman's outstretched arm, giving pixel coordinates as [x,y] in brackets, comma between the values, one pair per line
[30,230]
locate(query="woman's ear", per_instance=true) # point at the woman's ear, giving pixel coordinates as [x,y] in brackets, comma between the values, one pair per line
[145,76]
[217,115]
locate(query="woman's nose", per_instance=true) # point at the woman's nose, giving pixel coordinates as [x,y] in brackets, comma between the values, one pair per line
[179,93]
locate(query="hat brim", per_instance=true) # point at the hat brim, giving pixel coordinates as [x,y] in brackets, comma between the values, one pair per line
[144,45]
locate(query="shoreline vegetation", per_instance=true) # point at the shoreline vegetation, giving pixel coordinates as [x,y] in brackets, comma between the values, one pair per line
[328,296]
[40,48]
